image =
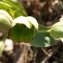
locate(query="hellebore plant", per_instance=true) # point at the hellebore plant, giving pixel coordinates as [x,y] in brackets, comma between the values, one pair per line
[25,28]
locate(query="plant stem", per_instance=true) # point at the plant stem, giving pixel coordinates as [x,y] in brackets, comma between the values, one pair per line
[44,31]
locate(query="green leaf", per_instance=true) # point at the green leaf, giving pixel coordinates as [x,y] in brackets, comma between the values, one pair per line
[42,27]
[20,33]
[17,14]
[8,8]
[13,10]
[15,32]
[27,34]
[23,29]
[42,40]
[16,5]
[4,6]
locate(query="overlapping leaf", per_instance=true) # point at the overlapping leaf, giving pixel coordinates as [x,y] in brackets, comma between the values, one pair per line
[43,38]
[24,29]
[17,6]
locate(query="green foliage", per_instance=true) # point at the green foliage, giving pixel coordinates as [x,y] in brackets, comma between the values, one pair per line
[1,0]
[42,38]
[13,8]
[4,6]
[8,8]
[16,6]
[26,29]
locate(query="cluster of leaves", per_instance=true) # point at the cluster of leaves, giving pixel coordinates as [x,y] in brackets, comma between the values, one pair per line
[42,36]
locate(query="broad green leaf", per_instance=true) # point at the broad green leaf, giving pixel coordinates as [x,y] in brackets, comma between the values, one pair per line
[15,13]
[42,40]
[12,12]
[56,30]
[20,33]
[42,28]
[27,34]
[15,32]
[18,13]
[16,5]
[8,8]
[23,30]
[4,6]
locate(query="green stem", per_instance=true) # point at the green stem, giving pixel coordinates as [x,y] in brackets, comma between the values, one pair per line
[2,44]
[42,31]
